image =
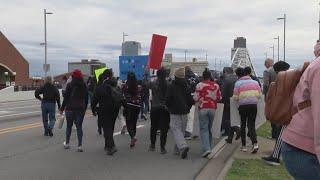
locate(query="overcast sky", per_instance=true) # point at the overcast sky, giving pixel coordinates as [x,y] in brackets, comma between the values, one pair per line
[81,29]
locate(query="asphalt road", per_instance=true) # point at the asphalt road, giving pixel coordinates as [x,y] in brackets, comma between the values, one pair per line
[26,154]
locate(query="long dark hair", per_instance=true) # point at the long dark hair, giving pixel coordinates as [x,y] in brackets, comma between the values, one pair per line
[161,74]
[132,83]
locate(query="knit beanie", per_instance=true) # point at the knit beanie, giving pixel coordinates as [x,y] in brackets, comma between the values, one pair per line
[180,73]
[77,73]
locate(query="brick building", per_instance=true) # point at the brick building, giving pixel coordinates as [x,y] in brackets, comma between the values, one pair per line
[13,66]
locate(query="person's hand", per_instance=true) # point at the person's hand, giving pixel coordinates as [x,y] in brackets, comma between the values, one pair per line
[61,111]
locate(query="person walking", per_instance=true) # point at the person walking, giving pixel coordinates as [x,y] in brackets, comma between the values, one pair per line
[179,102]
[64,85]
[301,147]
[160,117]
[50,96]
[133,98]
[248,72]
[247,93]
[274,158]
[228,81]
[75,104]
[208,95]
[192,130]
[109,108]
[269,76]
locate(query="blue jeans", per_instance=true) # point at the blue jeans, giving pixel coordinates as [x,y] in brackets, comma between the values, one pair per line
[75,117]
[206,117]
[48,114]
[300,164]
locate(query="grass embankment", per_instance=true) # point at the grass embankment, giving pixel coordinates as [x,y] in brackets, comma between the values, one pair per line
[256,169]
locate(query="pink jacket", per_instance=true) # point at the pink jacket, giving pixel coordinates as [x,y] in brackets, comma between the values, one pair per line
[304,130]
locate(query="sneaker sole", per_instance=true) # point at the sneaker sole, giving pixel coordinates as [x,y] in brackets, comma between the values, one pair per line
[272,163]
[210,156]
[206,154]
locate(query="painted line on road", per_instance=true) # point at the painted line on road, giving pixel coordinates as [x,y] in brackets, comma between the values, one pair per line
[18,114]
[20,107]
[118,133]
[19,126]
[20,129]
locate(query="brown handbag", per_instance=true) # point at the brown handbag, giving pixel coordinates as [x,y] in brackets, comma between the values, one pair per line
[279,107]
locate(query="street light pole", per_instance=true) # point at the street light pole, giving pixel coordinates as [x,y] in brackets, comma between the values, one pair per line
[123,36]
[278,38]
[266,53]
[272,52]
[45,41]
[284,18]
[319,25]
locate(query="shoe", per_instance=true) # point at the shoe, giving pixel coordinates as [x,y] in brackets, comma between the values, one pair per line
[79,149]
[210,156]
[184,152]
[152,148]
[133,142]
[99,131]
[238,134]
[195,137]
[229,141]
[176,151]
[50,132]
[163,151]
[111,151]
[255,148]
[205,154]
[46,133]
[271,161]
[66,146]
[123,130]
[187,135]
[243,149]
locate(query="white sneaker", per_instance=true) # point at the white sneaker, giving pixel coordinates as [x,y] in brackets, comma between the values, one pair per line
[66,146]
[205,154]
[243,149]
[79,149]
[255,148]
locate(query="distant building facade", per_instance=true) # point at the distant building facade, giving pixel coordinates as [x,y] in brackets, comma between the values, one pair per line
[197,66]
[86,66]
[14,68]
[131,48]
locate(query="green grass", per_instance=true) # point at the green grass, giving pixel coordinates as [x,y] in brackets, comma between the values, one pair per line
[247,169]
[264,130]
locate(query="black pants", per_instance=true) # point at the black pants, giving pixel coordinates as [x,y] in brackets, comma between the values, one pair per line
[275,131]
[226,119]
[160,120]
[131,113]
[248,115]
[100,119]
[108,121]
[233,129]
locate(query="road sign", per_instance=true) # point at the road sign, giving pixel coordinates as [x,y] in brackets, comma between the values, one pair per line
[136,64]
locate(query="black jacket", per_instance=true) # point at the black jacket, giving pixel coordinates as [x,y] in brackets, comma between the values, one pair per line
[76,96]
[103,98]
[158,97]
[227,87]
[178,99]
[192,80]
[50,94]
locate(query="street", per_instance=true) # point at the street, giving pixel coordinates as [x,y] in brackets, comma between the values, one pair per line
[26,154]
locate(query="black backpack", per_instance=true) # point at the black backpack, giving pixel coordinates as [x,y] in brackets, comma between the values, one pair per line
[116,95]
[77,98]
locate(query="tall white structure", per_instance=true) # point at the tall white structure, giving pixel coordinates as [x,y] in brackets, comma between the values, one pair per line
[131,48]
[240,55]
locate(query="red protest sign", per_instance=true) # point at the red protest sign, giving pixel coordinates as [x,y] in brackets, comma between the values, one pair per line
[158,44]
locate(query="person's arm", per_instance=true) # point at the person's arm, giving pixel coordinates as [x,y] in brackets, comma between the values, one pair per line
[169,96]
[236,92]
[315,104]
[266,81]
[196,96]
[38,92]
[66,98]
[58,98]
[218,93]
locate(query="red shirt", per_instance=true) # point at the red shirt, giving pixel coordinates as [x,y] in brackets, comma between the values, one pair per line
[208,94]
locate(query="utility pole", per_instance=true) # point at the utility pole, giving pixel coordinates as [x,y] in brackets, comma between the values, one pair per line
[272,52]
[45,68]
[185,55]
[278,38]
[284,18]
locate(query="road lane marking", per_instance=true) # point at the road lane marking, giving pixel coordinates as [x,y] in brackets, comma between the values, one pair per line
[20,107]
[118,133]
[20,129]
[18,114]
[19,126]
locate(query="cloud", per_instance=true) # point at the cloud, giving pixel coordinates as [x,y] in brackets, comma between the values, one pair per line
[81,29]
